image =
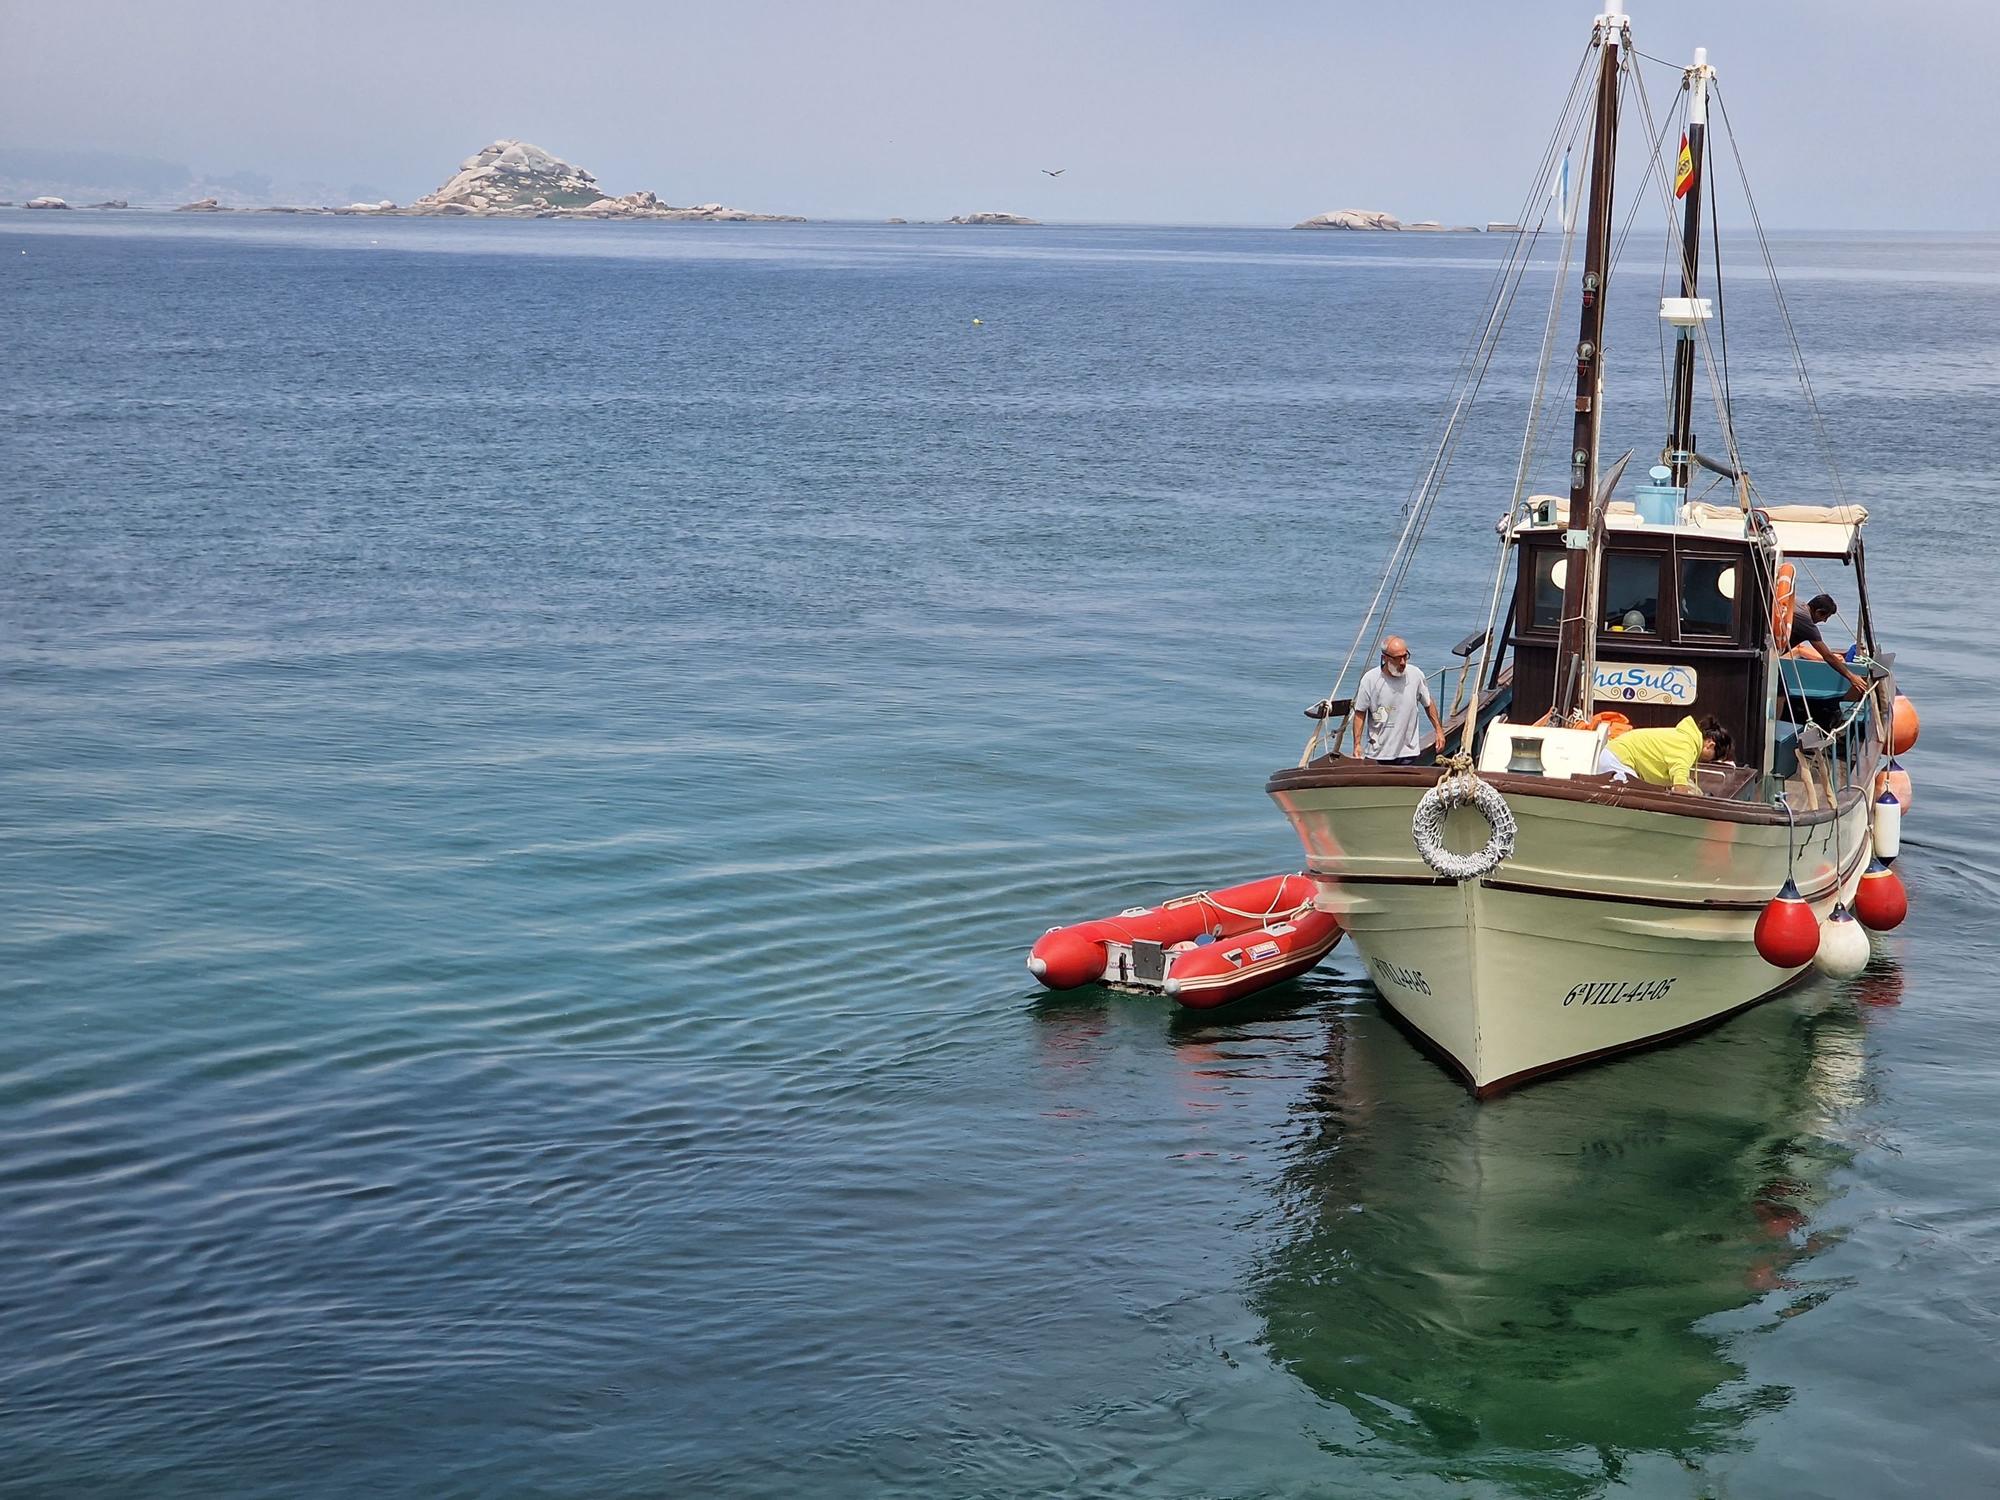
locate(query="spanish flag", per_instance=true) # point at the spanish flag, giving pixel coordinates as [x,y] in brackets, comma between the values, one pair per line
[1684,173]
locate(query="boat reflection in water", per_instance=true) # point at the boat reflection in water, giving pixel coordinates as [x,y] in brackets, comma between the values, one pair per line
[1880,986]
[1528,1290]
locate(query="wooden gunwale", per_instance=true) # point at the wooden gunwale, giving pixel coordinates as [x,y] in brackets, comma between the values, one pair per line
[1592,791]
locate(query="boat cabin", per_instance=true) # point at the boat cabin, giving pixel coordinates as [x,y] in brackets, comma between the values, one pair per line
[1684,617]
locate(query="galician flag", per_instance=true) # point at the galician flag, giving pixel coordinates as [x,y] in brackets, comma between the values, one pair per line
[1684,173]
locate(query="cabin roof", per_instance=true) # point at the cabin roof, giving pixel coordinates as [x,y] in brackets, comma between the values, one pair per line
[1802,530]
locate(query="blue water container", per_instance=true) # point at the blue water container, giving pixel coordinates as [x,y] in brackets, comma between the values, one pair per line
[1659,503]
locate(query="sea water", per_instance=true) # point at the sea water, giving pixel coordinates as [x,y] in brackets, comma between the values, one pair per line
[531,757]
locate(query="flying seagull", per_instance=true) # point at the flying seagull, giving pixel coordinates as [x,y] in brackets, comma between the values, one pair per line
[1056,173]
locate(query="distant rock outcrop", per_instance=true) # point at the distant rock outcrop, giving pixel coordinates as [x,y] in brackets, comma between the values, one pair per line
[1351,218]
[112,203]
[1370,218]
[514,174]
[991,218]
[513,179]
[45,202]
[202,206]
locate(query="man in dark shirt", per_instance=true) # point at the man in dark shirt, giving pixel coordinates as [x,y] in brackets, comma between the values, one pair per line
[1805,632]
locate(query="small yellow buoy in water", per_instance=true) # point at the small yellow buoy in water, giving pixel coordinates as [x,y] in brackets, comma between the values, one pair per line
[976,322]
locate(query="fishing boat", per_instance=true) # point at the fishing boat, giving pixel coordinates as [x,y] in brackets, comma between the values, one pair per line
[1518,908]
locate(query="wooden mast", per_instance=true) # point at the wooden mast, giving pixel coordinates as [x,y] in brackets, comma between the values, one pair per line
[1679,455]
[1573,694]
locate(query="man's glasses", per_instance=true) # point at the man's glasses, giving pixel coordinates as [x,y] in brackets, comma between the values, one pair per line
[1398,660]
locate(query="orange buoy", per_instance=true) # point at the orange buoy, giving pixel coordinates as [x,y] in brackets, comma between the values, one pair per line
[1902,726]
[1787,931]
[1895,781]
[1880,902]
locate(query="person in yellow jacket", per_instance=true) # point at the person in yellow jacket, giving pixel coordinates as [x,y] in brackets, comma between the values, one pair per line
[1666,757]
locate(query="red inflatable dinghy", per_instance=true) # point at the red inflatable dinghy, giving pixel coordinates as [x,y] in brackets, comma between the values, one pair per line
[1205,949]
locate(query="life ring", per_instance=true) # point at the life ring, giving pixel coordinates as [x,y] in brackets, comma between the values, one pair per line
[1784,587]
[1427,827]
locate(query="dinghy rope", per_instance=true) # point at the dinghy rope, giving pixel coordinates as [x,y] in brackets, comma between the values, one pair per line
[1262,918]
[1266,918]
[1461,787]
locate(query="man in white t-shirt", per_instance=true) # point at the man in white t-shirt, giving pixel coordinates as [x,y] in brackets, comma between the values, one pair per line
[1386,726]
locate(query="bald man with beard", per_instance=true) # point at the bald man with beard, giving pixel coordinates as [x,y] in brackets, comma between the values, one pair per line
[1386,706]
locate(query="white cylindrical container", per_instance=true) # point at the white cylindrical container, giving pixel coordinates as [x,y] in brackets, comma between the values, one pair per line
[1888,827]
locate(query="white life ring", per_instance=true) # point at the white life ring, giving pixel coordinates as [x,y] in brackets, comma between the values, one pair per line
[1427,827]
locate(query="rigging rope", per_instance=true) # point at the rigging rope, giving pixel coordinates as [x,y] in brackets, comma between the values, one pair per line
[1535,408]
[1784,311]
[1557,288]
[1465,386]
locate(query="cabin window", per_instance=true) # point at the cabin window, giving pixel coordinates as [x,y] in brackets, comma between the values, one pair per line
[1708,596]
[1551,572]
[1631,593]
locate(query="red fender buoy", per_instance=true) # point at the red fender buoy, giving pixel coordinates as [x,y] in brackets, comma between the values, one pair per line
[1787,930]
[1880,902]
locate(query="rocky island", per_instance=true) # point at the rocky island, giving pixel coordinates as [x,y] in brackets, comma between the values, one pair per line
[1374,218]
[513,179]
[990,218]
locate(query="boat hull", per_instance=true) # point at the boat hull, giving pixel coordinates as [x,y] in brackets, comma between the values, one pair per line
[1616,924]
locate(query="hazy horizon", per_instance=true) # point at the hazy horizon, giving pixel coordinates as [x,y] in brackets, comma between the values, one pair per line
[1174,113]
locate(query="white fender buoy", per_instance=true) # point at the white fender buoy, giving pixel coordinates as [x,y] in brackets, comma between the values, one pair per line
[1888,827]
[1843,945]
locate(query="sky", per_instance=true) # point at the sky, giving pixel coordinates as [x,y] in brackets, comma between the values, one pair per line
[1864,113]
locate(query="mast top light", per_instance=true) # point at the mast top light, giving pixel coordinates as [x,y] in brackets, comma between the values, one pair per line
[1698,78]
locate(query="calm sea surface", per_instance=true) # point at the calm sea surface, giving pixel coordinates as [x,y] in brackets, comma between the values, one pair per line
[531,757]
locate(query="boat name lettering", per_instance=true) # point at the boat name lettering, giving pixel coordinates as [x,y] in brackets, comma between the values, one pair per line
[1645,682]
[1400,977]
[1617,991]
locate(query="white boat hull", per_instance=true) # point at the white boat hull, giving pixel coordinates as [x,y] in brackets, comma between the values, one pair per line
[1611,927]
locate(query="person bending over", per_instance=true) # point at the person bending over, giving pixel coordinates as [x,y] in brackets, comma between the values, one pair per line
[1666,757]
[1805,633]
